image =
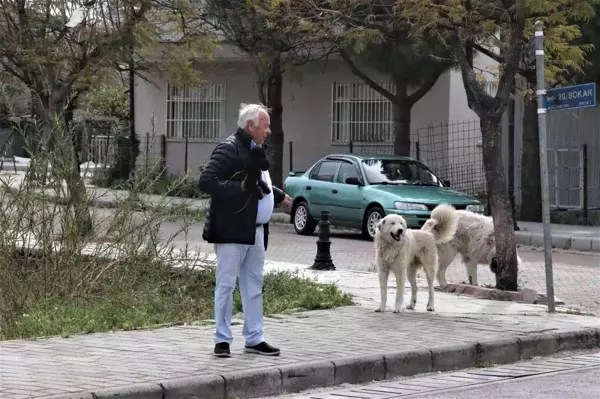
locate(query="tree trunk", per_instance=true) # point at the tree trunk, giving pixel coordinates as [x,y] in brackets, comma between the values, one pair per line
[134,141]
[402,113]
[274,99]
[506,254]
[531,205]
[76,137]
[402,108]
[56,126]
[75,183]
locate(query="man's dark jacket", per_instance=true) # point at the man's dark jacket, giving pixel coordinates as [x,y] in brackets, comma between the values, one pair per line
[231,218]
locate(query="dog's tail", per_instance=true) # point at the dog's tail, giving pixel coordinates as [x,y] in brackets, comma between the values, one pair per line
[442,223]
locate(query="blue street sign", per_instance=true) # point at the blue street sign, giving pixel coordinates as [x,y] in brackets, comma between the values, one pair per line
[571,97]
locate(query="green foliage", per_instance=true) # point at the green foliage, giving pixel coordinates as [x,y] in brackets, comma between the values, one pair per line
[15,99]
[154,183]
[273,33]
[108,101]
[375,34]
[50,53]
[591,36]
[485,25]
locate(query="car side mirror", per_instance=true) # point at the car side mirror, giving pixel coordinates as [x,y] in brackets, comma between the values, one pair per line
[355,181]
[447,183]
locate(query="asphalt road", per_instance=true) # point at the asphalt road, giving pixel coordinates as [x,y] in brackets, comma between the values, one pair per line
[562,376]
[576,384]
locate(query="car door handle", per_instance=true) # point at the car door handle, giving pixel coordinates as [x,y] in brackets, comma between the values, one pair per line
[334,190]
[308,187]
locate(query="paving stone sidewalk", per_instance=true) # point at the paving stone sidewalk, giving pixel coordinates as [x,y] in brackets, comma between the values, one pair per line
[123,360]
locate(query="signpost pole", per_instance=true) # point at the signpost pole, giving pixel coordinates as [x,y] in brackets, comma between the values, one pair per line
[541,101]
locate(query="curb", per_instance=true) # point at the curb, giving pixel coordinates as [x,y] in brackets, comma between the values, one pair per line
[355,370]
[587,244]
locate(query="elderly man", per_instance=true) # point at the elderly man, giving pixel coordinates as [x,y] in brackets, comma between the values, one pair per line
[238,225]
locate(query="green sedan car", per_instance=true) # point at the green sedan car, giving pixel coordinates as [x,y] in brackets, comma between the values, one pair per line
[358,190]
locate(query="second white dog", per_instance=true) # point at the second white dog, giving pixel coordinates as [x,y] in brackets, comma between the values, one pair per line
[403,251]
[474,240]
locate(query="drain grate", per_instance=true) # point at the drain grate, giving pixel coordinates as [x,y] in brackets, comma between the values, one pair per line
[435,383]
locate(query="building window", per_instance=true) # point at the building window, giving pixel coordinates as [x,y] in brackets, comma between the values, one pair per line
[361,114]
[196,112]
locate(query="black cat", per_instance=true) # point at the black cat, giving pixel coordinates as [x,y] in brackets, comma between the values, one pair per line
[256,163]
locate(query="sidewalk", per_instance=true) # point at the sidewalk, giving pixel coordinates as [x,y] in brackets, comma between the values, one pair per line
[319,348]
[580,238]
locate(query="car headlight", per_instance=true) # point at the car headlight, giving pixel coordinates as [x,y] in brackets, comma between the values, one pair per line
[476,208]
[409,206]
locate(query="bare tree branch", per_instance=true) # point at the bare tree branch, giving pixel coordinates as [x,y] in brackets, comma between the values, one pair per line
[360,74]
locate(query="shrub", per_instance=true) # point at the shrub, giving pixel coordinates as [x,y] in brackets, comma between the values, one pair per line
[124,273]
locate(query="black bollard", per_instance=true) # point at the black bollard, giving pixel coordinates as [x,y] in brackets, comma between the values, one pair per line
[323,259]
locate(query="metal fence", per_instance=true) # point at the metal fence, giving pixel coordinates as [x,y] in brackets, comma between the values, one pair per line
[453,150]
[102,150]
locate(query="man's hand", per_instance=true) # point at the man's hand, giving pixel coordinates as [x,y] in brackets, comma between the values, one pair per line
[286,204]
[245,184]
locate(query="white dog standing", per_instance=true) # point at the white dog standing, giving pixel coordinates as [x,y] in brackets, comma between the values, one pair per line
[403,251]
[474,240]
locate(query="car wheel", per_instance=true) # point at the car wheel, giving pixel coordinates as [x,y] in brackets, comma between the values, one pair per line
[373,216]
[304,223]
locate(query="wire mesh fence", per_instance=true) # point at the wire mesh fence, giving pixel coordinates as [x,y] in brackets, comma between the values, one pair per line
[574,163]
[453,150]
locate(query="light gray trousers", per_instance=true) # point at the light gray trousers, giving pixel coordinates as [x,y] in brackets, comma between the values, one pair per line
[249,262]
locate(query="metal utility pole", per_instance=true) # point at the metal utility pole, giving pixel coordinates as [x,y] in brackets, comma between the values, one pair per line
[541,111]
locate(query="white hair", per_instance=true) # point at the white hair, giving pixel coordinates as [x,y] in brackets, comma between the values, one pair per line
[250,112]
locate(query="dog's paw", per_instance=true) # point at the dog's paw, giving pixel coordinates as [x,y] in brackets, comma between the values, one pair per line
[430,309]
[379,310]
[411,306]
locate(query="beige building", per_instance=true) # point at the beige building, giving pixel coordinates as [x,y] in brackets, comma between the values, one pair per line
[325,106]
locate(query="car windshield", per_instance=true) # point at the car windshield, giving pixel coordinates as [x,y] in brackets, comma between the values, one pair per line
[396,172]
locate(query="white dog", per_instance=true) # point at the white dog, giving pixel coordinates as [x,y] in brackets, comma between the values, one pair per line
[403,251]
[474,240]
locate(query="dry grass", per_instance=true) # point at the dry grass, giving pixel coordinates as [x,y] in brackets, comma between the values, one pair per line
[58,277]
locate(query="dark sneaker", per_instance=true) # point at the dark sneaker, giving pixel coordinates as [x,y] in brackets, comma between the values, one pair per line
[222,350]
[262,349]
